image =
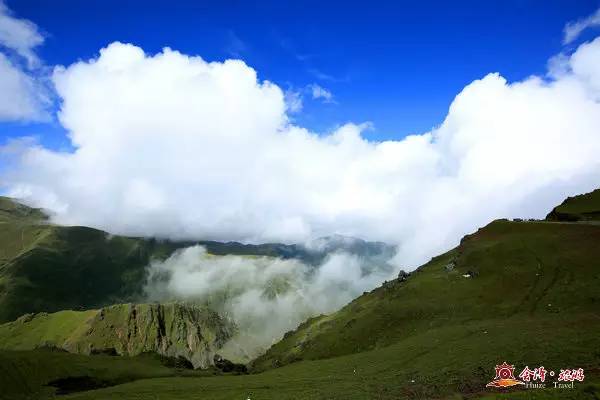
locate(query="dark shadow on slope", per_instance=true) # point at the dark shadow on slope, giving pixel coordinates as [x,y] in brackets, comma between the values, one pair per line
[74,384]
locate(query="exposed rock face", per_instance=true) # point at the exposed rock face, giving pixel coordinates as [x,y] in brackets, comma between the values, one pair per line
[174,330]
[403,275]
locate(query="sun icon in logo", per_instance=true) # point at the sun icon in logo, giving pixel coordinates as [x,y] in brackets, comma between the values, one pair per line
[504,376]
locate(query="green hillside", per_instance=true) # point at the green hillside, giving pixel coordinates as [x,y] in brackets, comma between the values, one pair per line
[528,271]
[584,207]
[522,292]
[44,267]
[448,363]
[73,268]
[43,373]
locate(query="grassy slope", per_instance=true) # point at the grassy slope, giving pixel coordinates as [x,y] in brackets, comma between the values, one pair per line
[53,330]
[25,374]
[440,363]
[44,267]
[533,302]
[75,267]
[584,207]
[528,270]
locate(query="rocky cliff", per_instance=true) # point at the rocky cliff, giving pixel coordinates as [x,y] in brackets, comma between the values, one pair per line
[173,330]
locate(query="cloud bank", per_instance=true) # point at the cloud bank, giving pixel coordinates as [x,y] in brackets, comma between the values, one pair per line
[170,145]
[264,296]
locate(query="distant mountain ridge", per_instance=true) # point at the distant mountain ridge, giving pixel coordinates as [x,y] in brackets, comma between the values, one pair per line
[46,267]
[313,252]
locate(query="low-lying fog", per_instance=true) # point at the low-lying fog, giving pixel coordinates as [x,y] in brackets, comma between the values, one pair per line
[264,296]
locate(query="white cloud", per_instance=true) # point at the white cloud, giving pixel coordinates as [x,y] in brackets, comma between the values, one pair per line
[171,145]
[573,29]
[294,98]
[319,92]
[19,35]
[22,96]
[293,101]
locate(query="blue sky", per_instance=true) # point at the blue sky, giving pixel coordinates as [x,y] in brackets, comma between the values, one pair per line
[395,64]
[170,146]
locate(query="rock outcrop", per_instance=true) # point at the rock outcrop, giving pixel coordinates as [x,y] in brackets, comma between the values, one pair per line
[173,330]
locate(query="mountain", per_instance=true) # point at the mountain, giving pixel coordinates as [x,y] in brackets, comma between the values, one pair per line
[377,252]
[44,267]
[526,273]
[313,252]
[524,292]
[47,268]
[173,330]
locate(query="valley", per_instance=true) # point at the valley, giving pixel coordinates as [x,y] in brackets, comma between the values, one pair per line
[521,292]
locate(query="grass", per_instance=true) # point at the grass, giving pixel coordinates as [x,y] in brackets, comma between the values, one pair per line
[44,330]
[447,362]
[584,207]
[50,268]
[26,374]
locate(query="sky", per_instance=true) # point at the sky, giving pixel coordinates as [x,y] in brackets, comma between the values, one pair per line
[412,124]
[397,65]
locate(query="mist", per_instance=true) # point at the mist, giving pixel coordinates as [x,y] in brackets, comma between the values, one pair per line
[264,296]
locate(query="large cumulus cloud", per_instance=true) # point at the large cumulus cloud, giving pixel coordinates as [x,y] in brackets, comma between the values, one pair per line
[171,145]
